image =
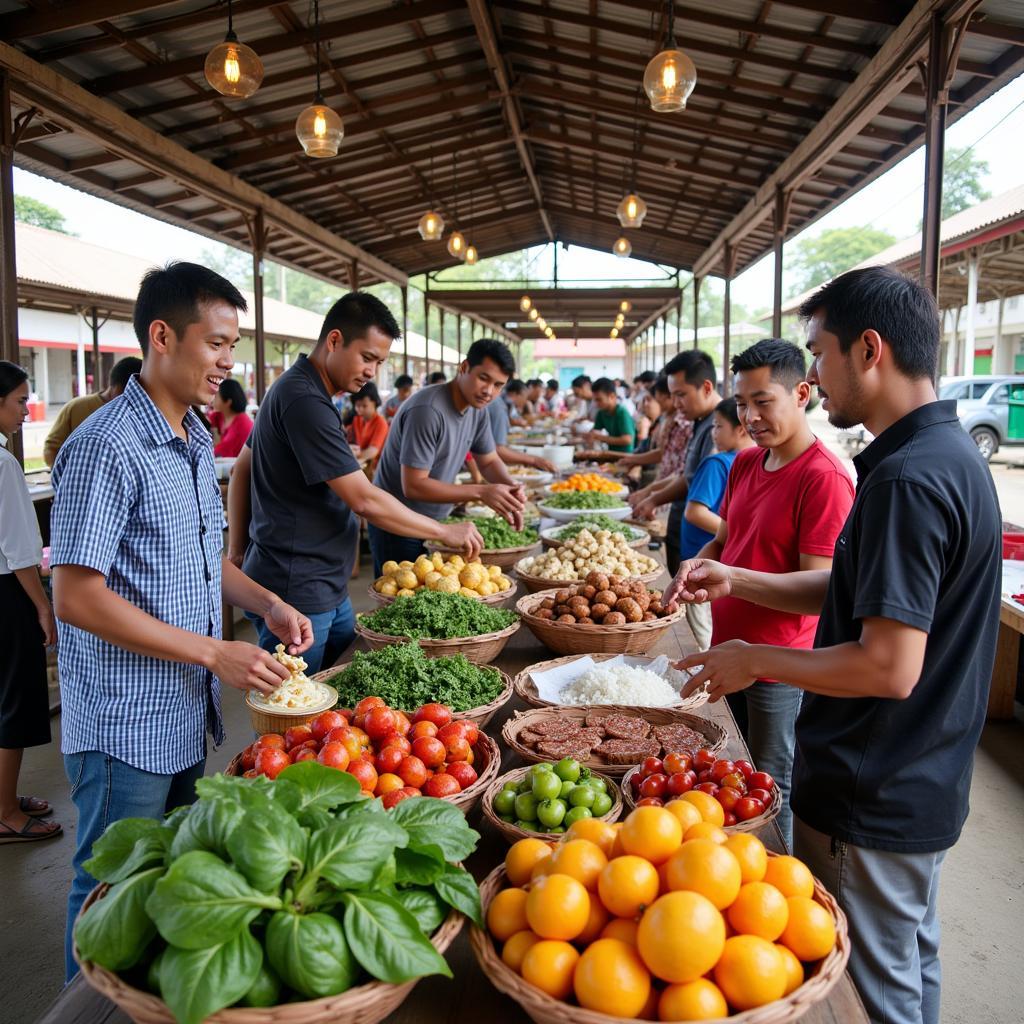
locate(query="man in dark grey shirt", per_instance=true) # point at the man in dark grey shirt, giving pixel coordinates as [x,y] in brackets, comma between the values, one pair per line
[307,488]
[427,445]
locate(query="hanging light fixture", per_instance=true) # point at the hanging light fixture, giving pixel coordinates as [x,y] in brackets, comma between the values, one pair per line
[614,333]
[625,306]
[431,225]
[319,128]
[542,323]
[670,75]
[471,256]
[525,304]
[622,248]
[533,314]
[457,244]
[232,68]
[631,211]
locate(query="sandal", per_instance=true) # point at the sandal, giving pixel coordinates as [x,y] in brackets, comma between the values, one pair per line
[34,807]
[32,831]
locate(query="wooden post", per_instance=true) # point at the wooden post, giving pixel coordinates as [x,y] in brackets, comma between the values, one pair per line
[696,307]
[440,314]
[97,370]
[972,308]
[458,337]
[664,339]
[258,237]
[405,328]
[426,336]
[353,276]
[730,269]
[9,344]
[679,323]
[780,221]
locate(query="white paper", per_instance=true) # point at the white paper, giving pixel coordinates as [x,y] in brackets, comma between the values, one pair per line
[551,682]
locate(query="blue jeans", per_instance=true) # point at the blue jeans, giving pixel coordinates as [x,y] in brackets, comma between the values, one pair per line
[333,631]
[390,547]
[105,790]
[766,714]
[891,903]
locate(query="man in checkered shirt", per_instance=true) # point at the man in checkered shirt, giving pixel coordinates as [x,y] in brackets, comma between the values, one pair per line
[139,575]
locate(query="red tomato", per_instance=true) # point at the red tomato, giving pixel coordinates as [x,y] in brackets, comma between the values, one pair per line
[691,775]
[334,755]
[679,783]
[296,736]
[364,707]
[651,801]
[422,729]
[394,796]
[651,766]
[707,787]
[442,785]
[635,781]
[728,797]
[439,714]
[324,723]
[303,754]
[398,742]
[748,808]
[271,739]
[761,794]
[360,735]
[430,751]
[703,759]
[271,762]
[677,763]
[411,791]
[470,730]
[734,780]
[388,759]
[730,819]
[705,776]
[379,722]
[464,774]
[762,780]
[412,771]
[309,747]
[387,782]
[249,757]
[745,768]
[365,773]
[402,723]
[458,749]
[654,785]
[720,769]
[347,713]
[347,738]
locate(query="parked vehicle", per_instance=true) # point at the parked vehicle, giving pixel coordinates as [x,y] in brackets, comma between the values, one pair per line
[983,406]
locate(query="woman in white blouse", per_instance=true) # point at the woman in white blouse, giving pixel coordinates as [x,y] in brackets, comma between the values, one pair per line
[28,627]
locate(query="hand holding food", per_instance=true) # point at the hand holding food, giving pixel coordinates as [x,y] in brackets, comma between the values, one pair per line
[698,580]
[464,536]
[289,625]
[507,500]
[246,667]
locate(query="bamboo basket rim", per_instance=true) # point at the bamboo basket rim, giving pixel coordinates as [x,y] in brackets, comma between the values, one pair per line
[546,1009]
[454,642]
[499,598]
[771,812]
[548,583]
[523,683]
[512,833]
[525,609]
[286,712]
[521,719]
[370,1002]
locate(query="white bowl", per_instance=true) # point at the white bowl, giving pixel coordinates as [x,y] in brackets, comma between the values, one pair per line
[559,454]
[552,531]
[533,477]
[567,515]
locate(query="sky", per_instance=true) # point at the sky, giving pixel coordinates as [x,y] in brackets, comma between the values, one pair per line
[893,203]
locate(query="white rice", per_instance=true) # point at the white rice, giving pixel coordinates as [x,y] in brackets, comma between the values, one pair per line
[619,684]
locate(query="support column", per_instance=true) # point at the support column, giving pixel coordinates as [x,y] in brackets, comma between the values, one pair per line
[405,328]
[730,269]
[426,335]
[780,222]
[44,359]
[696,307]
[440,314]
[97,371]
[258,238]
[999,364]
[458,336]
[679,323]
[972,305]
[9,344]
[353,276]
[664,339]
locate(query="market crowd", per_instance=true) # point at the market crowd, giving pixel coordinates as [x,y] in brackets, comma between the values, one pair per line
[852,629]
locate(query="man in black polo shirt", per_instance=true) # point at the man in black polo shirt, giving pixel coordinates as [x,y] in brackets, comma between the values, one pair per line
[897,685]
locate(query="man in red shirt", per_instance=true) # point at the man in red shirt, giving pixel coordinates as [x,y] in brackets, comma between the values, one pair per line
[784,505]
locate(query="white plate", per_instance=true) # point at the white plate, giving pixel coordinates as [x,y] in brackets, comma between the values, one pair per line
[567,515]
[551,533]
[622,492]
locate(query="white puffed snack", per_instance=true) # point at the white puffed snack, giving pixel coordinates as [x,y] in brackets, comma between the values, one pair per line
[588,552]
[619,684]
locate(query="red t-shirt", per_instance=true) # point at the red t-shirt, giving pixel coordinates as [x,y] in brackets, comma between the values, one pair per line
[370,433]
[773,518]
[233,438]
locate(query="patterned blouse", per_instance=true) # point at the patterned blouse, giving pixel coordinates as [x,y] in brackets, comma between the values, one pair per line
[674,435]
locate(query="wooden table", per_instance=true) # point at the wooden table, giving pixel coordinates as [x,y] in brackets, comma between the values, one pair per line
[470,997]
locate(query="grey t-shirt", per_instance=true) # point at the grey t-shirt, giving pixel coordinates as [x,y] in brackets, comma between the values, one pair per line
[429,433]
[700,446]
[302,536]
[498,414]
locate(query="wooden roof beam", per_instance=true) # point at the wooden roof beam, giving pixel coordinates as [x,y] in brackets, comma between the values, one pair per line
[485,33]
[39,21]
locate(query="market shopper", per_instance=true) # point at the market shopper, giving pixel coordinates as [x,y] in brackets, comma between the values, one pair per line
[613,424]
[896,686]
[368,430]
[403,389]
[139,575]
[28,627]
[297,491]
[427,445]
[232,423]
[499,414]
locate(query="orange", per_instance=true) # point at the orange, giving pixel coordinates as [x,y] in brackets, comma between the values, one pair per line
[617,849]
[652,833]
[704,866]
[549,966]
[611,978]
[790,876]
[750,852]
[707,830]
[710,809]
[810,931]
[627,885]
[751,972]
[597,831]
[794,969]
[557,907]
[687,813]
[663,886]
[516,946]
[598,918]
[541,867]
[622,928]
[760,909]
[580,859]
[694,1000]
[681,936]
[650,1010]
[522,857]
[507,914]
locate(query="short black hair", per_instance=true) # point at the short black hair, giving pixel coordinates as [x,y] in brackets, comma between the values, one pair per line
[726,408]
[603,386]
[783,358]
[11,376]
[354,314]
[552,385]
[437,377]
[660,387]
[497,351]
[514,387]
[403,380]
[535,382]
[174,293]
[694,365]
[123,370]
[647,377]
[579,381]
[900,309]
[368,390]
[231,391]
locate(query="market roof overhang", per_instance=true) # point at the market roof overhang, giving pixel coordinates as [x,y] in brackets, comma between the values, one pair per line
[537,101]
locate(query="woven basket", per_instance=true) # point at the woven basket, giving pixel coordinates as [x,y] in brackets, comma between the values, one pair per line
[533,584]
[513,833]
[527,689]
[481,649]
[545,1009]
[712,731]
[750,825]
[572,638]
[264,720]
[500,598]
[364,1004]
[481,715]
[504,557]
[549,542]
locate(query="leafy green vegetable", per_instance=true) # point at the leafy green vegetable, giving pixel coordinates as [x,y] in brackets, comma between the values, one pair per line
[128,846]
[428,910]
[310,953]
[350,853]
[325,790]
[266,846]
[458,890]
[593,524]
[497,532]
[406,678]
[583,499]
[115,930]
[437,616]
[436,823]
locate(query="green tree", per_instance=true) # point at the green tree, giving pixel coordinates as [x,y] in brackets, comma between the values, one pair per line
[819,259]
[962,181]
[40,214]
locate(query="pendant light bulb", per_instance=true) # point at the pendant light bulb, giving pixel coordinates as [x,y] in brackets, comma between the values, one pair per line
[457,244]
[625,306]
[431,226]
[622,248]
[533,314]
[319,129]
[614,333]
[669,79]
[631,211]
[232,68]
[525,304]
[471,255]
[542,323]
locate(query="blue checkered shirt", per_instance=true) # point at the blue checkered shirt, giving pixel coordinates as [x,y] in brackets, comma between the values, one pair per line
[142,506]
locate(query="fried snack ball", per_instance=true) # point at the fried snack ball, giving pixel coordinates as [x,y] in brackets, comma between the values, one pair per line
[607,597]
[614,619]
[628,607]
[599,611]
[566,618]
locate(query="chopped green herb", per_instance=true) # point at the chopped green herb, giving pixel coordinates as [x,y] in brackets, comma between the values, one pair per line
[430,614]
[583,499]
[497,533]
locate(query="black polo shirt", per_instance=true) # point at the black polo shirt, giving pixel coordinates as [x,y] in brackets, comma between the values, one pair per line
[921,546]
